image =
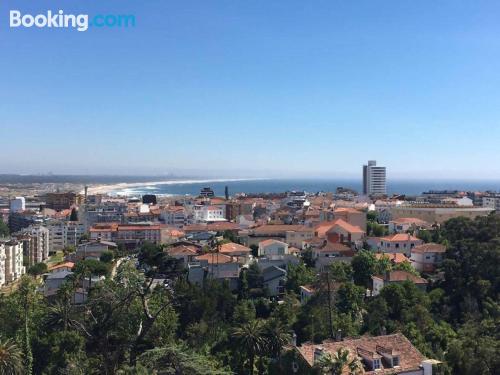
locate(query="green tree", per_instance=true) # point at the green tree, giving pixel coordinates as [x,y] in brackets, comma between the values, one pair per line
[37,269]
[4,229]
[249,337]
[11,358]
[74,215]
[363,265]
[339,364]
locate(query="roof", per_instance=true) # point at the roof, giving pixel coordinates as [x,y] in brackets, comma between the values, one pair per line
[324,227]
[410,220]
[273,272]
[334,246]
[274,228]
[346,226]
[347,210]
[215,258]
[232,247]
[271,242]
[429,248]
[215,227]
[409,356]
[182,250]
[400,237]
[395,258]
[62,265]
[399,276]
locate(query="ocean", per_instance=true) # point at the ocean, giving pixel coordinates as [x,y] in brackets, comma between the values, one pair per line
[407,187]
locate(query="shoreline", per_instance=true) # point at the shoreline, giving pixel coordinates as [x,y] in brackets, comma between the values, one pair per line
[115,188]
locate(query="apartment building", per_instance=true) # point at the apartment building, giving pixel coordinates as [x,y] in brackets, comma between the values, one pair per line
[374,179]
[129,235]
[35,242]
[60,201]
[432,213]
[492,201]
[14,268]
[175,216]
[64,233]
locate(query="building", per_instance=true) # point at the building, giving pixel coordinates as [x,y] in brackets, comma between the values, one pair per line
[270,248]
[18,204]
[91,250]
[35,242]
[426,257]
[351,216]
[204,213]
[175,216]
[14,268]
[343,232]
[64,233]
[207,192]
[389,354]
[274,279]
[220,267]
[432,213]
[2,264]
[331,252]
[242,253]
[60,201]
[184,252]
[128,235]
[293,235]
[396,277]
[405,224]
[374,179]
[492,200]
[396,243]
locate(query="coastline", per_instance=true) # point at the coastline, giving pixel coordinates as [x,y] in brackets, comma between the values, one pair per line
[115,188]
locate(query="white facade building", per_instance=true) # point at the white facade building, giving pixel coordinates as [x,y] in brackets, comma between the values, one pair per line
[203,213]
[18,204]
[14,268]
[374,179]
[2,264]
[492,201]
[64,233]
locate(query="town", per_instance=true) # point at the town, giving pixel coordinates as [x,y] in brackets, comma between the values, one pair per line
[339,282]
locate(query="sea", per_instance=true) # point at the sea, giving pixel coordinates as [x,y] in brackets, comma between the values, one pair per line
[193,187]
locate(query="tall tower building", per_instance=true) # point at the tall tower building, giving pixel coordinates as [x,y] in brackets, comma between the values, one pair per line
[374,182]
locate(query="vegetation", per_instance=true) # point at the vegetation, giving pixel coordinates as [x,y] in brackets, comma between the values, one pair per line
[129,326]
[4,229]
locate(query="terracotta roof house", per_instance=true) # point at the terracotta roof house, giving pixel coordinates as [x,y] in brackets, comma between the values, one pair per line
[383,355]
[426,257]
[395,258]
[392,277]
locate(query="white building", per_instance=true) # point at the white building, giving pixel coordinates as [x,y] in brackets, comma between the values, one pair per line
[203,213]
[14,268]
[2,264]
[64,233]
[492,201]
[175,216]
[374,179]
[270,248]
[36,243]
[18,204]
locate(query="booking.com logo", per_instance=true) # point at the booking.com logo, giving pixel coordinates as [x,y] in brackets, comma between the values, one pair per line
[80,22]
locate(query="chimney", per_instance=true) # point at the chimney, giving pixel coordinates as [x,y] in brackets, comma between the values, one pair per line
[318,353]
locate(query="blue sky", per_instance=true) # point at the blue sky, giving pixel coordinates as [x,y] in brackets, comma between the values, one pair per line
[256,88]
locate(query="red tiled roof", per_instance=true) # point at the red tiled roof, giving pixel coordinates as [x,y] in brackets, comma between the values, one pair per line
[396,276]
[270,242]
[345,226]
[214,258]
[232,247]
[400,237]
[395,258]
[409,356]
[182,250]
[429,248]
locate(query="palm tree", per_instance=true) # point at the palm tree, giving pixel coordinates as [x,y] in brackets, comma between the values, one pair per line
[250,338]
[276,336]
[339,363]
[11,358]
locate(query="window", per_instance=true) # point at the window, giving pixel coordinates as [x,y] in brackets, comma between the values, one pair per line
[376,364]
[395,361]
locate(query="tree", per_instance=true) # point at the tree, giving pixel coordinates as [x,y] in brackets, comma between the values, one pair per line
[37,269]
[298,275]
[363,265]
[249,337]
[339,364]
[11,358]
[106,257]
[74,215]
[4,229]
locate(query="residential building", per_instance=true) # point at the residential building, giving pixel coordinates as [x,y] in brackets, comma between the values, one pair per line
[394,258]
[388,354]
[91,250]
[351,215]
[18,204]
[492,200]
[274,279]
[128,235]
[343,232]
[35,242]
[306,292]
[374,179]
[432,213]
[221,267]
[405,224]
[175,216]
[331,252]
[293,235]
[14,268]
[426,257]
[396,277]
[2,264]
[203,213]
[60,201]
[242,253]
[396,243]
[183,252]
[270,248]
[64,233]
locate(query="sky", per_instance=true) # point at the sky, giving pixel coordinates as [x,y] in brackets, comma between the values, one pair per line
[255,88]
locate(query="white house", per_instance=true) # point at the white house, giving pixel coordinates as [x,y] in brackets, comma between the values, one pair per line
[271,248]
[204,213]
[426,257]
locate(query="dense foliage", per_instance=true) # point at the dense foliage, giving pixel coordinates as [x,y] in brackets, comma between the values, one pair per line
[131,326]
